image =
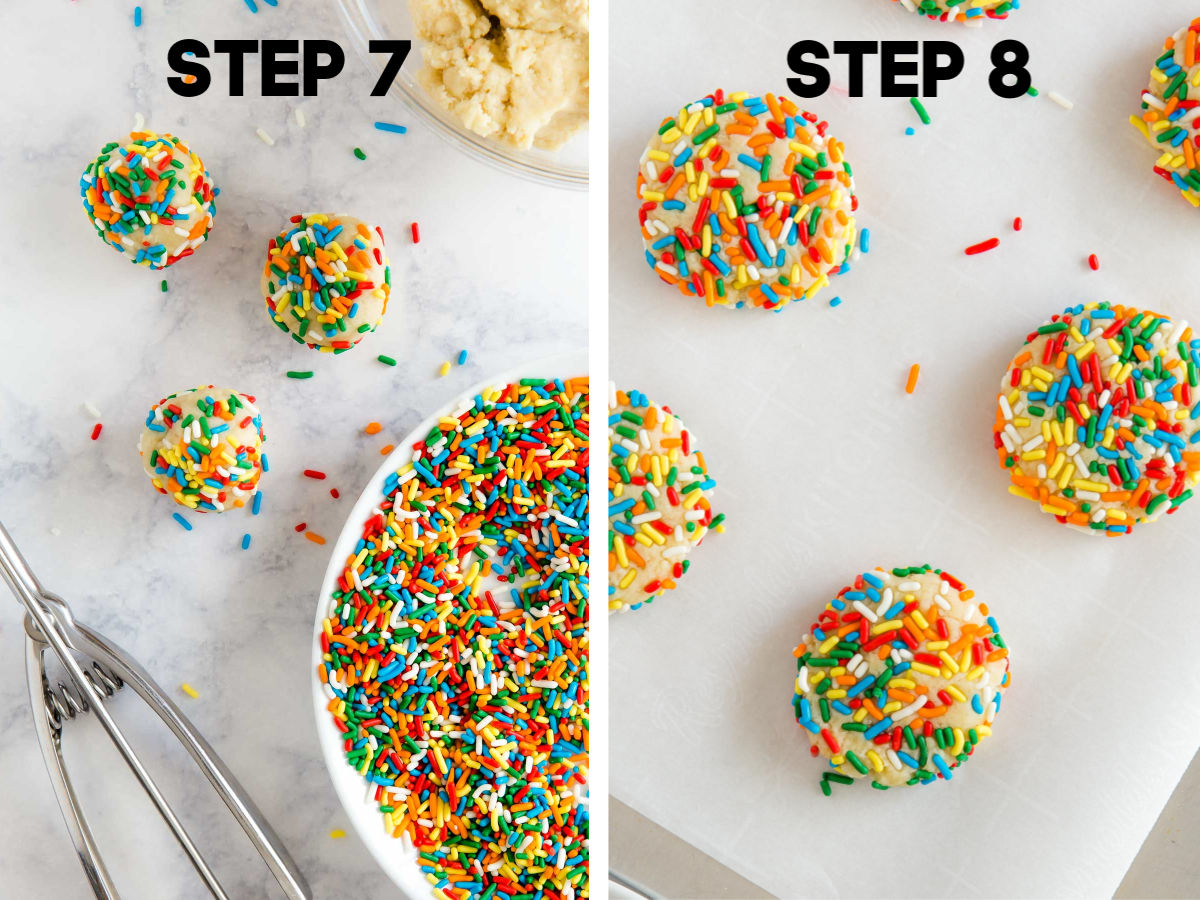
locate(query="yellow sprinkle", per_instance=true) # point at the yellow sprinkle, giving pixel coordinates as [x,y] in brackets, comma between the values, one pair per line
[445,369]
[189,690]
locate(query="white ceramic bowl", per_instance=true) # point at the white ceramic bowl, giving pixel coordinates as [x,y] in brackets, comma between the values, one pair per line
[351,788]
[368,20]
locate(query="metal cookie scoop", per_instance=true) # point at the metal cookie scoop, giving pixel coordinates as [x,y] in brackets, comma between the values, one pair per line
[97,669]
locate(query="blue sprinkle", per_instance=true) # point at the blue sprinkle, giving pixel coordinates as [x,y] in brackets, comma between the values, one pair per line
[137,17]
[245,542]
[253,8]
[836,301]
[256,505]
[386,126]
[864,240]
[910,130]
[462,357]
[187,526]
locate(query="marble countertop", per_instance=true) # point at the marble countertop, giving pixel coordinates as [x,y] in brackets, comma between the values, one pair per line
[489,275]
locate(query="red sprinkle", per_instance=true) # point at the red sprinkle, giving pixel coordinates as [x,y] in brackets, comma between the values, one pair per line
[301,526]
[313,473]
[983,247]
[96,431]
[416,233]
[333,492]
[1094,262]
[1018,224]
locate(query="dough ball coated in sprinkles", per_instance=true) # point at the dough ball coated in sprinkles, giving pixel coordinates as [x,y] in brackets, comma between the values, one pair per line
[1169,115]
[1098,417]
[150,198]
[203,448]
[971,12]
[900,678]
[326,280]
[659,500]
[746,202]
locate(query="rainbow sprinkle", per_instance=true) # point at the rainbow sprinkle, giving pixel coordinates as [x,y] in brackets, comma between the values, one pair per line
[900,678]
[746,201]
[969,11]
[456,647]
[1169,117]
[151,199]
[203,448]
[326,281]
[659,500]
[1096,415]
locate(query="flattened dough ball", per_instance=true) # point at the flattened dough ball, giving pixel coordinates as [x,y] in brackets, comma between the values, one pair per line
[746,202]
[969,11]
[900,678]
[659,500]
[326,280]
[1097,418]
[1168,119]
[203,448]
[150,198]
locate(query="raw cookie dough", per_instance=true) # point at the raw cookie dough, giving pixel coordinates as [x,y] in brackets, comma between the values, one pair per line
[900,678]
[326,280]
[746,202]
[203,448]
[1168,120]
[971,11]
[659,500]
[514,70]
[151,198]
[1097,417]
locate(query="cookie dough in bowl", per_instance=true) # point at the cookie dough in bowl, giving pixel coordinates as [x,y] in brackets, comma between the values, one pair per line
[512,70]
[659,500]
[900,678]
[326,280]
[1097,420]
[746,202]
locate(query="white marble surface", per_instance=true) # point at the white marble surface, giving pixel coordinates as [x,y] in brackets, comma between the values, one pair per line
[490,275]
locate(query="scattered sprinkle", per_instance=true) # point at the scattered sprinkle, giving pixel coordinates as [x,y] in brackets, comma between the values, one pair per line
[1060,100]
[1018,224]
[864,240]
[256,504]
[920,108]
[388,126]
[139,122]
[337,834]
[91,410]
[300,120]
[416,233]
[137,17]
[96,431]
[910,131]
[373,428]
[386,449]
[187,526]
[245,541]
[252,7]
[163,286]
[314,473]
[913,374]
[189,690]
[333,492]
[262,134]
[358,152]
[55,531]
[314,537]
[300,375]
[836,301]
[983,246]
[445,369]
[386,360]
[462,357]
[1094,262]
[1032,92]
[301,526]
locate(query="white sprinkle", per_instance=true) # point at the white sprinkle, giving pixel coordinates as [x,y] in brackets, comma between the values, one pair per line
[139,122]
[300,117]
[91,410]
[56,531]
[1058,98]
[265,138]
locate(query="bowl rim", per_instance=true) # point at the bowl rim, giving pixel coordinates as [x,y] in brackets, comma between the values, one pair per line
[364,27]
[395,858]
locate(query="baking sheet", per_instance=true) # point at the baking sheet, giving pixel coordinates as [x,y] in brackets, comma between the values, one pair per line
[826,468]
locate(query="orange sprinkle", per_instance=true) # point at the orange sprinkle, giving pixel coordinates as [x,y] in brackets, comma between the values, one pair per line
[373,428]
[314,537]
[913,374]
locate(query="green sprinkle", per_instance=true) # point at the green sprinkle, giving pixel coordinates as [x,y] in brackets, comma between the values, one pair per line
[920,108]
[163,286]
[386,360]
[358,152]
[299,374]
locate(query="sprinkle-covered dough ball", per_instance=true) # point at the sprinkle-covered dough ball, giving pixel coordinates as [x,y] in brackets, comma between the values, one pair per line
[1168,119]
[659,500]
[969,11]
[151,198]
[1097,419]
[746,202]
[900,678]
[203,447]
[326,280]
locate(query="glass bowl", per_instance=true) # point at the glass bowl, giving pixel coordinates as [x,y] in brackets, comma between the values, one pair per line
[368,20]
